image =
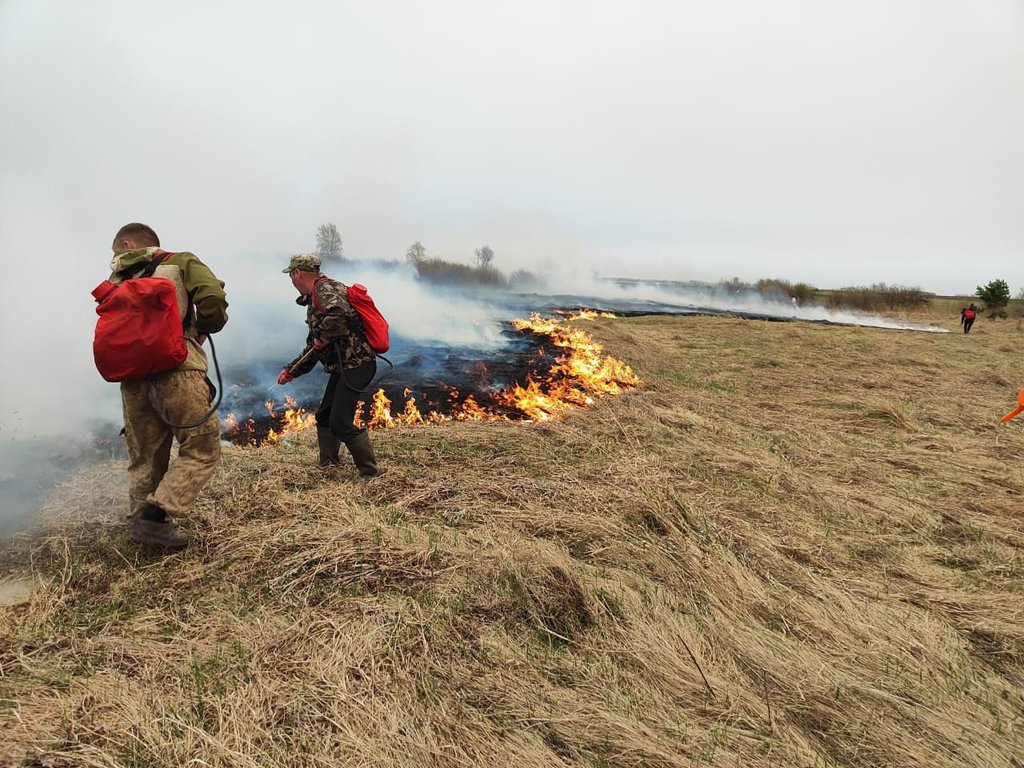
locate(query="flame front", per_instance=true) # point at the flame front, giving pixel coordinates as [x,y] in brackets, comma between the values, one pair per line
[578,376]
[581,372]
[294,419]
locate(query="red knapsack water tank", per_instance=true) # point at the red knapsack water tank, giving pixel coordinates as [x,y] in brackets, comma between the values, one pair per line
[139,330]
[374,324]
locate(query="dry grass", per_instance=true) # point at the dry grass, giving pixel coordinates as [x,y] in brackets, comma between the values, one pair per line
[798,545]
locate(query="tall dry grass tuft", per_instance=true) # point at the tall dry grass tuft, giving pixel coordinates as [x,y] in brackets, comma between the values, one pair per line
[796,545]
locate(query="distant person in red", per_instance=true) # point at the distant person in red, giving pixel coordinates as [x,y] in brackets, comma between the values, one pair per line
[967,316]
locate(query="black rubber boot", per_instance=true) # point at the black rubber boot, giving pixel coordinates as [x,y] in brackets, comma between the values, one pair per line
[330,445]
[362,454]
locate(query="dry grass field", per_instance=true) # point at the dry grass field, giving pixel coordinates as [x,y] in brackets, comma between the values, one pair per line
[795,545]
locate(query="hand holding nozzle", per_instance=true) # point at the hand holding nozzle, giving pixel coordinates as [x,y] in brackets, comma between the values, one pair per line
[286,374]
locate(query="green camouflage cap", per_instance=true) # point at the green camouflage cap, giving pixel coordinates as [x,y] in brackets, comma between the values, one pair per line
[304,261]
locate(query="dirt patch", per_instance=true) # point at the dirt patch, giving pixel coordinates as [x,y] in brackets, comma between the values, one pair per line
[14,591]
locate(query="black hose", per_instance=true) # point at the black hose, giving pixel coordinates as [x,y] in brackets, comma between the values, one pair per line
[218,391]
[373,382]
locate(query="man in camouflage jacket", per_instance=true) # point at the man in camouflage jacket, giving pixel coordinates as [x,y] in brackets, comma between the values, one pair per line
[175,404]
[337,340]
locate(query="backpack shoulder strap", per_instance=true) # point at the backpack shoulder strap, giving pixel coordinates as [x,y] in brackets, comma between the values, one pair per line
[148,270]
[312,293]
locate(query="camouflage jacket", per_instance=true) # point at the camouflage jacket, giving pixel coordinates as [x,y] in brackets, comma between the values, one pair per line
[333,321]
[201,295]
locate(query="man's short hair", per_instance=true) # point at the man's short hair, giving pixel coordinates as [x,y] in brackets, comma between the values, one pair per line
[140,234]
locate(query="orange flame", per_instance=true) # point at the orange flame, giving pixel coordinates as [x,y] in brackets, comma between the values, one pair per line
[294,419]
[588,314]
[580,374]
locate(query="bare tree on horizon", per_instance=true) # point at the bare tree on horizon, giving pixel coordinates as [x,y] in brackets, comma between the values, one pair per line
[484,256]
[416,253]
[328,243]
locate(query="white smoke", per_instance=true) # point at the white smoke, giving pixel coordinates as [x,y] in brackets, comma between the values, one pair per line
[662,296]
[54,396]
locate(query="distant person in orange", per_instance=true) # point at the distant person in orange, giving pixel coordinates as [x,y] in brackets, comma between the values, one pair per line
[967,316]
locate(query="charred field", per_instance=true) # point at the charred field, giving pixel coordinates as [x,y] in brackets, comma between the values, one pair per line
[439,378]
[793,544]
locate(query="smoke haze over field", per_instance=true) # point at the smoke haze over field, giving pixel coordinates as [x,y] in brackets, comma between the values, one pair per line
[267,328]
[52,425]
[832,143]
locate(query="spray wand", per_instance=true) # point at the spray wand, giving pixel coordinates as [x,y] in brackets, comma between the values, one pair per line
[292,367]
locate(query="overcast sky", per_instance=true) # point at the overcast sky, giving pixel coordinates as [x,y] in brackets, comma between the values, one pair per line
[836,143]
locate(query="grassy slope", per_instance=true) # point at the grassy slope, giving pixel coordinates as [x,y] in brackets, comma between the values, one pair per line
[798,545]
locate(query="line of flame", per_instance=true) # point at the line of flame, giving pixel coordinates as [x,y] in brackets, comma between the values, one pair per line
[580,373]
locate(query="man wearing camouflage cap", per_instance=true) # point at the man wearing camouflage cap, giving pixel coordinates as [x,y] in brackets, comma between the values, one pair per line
[304,261]
[337,339]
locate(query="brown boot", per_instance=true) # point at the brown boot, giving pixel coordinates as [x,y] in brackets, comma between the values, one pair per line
[362,454]
[159,534]
[329,447]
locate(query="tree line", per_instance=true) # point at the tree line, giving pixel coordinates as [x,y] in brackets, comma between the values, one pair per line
[879,297]
[994,296]
[434,268]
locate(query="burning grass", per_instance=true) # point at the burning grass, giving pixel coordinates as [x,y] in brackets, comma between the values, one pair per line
[552,386]
[796,545]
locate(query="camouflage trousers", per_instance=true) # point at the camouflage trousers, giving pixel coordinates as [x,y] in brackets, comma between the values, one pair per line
[183,397]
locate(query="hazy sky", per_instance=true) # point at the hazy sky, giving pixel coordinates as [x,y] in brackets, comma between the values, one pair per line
[830,142]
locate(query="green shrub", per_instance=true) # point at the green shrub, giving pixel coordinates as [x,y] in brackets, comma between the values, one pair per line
[996,296]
